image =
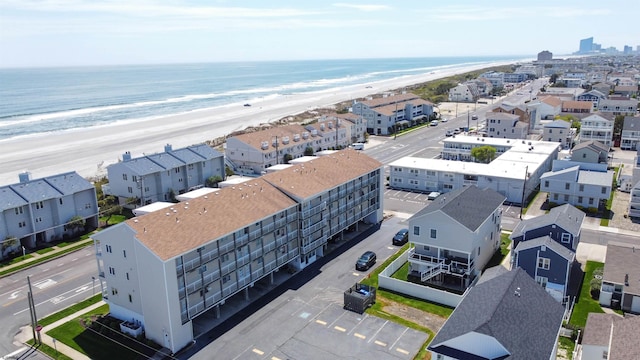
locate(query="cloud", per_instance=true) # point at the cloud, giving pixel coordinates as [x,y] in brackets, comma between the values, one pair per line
[484,13]
[363,7]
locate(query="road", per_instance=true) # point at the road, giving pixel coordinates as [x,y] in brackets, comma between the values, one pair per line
[56,284]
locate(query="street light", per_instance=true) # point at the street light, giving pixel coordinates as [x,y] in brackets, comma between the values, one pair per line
[93,285]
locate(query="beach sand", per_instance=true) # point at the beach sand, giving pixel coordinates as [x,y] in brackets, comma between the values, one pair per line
[90,150]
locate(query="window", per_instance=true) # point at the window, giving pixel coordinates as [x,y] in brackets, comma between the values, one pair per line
[580,199]
[542,281]
[124,252]
[567,186]
[555,196]
[543,263]
[127,276]
[566,238]
[130,298]
[112,271]
[546,183]
[434,233]
[416,230]
[478,251]
[226,278]
[19,210]
[130,190]
[566,198]
[60,200]
[39,205]
[134,178]
[426,248]
[604,190]
[590,201]
[108,247]
[581,187]
[114,291]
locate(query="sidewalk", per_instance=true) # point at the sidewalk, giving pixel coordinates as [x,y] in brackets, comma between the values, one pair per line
[26,334]
[35,256]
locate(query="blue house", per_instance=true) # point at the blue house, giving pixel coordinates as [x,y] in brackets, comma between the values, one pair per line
[562,224]
[548,262]
[545,246]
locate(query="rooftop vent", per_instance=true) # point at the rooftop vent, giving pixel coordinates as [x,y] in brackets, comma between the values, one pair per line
[305,135]
[264,145]
[296,137]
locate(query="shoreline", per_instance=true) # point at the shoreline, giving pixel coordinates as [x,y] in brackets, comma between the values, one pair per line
[90,150]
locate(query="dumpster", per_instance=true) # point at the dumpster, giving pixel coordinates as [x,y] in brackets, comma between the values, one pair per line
[359,297]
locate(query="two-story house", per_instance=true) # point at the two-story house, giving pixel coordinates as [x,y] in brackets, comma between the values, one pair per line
[572,185]
[634,201]
[630,133]
[590,151]
[547,107]
[506,317]
[454,237]
[576,107]
[163,270]
[161,176]
[597,127]
[627,107]
[594,96]
[506,126]
[36,211]
[545,247]
[466,92]
[558,131]
[621,278]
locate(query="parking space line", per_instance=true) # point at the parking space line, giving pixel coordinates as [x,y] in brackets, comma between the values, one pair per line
[339,328]
[380,343]
[356,274]
[321,322]
[376,333]
[359,322]
[398,339]
[403,351]
[359,336]
[260,352]
[338,318]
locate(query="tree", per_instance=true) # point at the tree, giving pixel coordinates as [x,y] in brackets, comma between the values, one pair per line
[553,78]
[109,207]
[8,243]
[287,158]
[212,181]
[618,123]
[308,151]
[76,223]
[484,154]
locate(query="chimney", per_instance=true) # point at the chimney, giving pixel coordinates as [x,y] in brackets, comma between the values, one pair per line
[167,148]
[24,177]
[126,156]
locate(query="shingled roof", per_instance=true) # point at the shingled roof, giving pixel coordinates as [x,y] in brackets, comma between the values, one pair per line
[511,314]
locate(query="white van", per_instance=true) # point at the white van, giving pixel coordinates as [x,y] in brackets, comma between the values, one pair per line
[357,146]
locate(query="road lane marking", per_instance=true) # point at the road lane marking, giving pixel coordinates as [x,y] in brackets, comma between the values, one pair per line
[339,328]
[74,259]
[58,298]
[377,342]
[275,358]
[44,283]
[321,322]
[260,352]
[359,336]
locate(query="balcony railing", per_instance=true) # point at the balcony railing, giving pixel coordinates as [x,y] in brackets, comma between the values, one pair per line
[270,266]
[268,228]
[281,222]
[228,268]
[227,247]
[208,278]
[243,260]
[241,240]
[454,265]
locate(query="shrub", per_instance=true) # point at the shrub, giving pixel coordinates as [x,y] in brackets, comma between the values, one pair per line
[592,210]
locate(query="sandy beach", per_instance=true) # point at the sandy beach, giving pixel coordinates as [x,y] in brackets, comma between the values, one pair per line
[89,151]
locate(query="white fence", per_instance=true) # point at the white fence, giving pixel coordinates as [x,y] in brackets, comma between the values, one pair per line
[385,281]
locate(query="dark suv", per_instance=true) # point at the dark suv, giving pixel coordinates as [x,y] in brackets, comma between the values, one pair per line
[366,261]
[401,237]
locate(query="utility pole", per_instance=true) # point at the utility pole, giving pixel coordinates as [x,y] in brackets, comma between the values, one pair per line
[468,122]
[277,156]
[524,186]
[395,123]
[32,312]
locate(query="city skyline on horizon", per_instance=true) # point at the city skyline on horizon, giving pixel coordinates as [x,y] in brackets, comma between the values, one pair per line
[82,32]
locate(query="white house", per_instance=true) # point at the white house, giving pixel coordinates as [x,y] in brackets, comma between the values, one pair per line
[518,163]
[161,176]
[506,317]
[579,184]
[590,151]
[547,107]
[506,126]
[621,278]
[558,131]
[597,127]
[630,133]
[634,201]
[609,336]
[467,92]
[36,211]
[161,271]
[454,237]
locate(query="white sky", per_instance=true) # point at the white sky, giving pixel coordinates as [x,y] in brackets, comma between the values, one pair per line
[96,32]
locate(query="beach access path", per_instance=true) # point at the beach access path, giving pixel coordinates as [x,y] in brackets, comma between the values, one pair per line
[90,150]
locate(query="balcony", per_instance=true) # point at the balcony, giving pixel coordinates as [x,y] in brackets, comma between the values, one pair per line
[255,234]
[227,247]
[229,289]
[268,228]
[281,222]
[270,266]
[228,268]
[208,278]
[242,260]
[209,255]
[450,265]
[256,254]
[242,239]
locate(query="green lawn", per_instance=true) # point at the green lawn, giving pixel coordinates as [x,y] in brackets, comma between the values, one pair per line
[45,250]
[401,274]
[70,310]
[499,256]
[585,303]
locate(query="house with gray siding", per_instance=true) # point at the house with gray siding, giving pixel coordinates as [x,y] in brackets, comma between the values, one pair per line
[161,176]
[576,185]
[591,151]
[630,133]
[506,317]
[454,237]
[609,336]
[558,131]
[37,211]
[621,278]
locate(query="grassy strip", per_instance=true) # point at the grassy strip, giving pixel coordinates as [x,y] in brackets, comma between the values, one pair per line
[69,333]
[70,310]
[585,303]
[44,251]
[566,344]
[15,260]
[44,258]
[529,202]
[49,351]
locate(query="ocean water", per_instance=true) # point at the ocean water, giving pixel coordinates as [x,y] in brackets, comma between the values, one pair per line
[43,100]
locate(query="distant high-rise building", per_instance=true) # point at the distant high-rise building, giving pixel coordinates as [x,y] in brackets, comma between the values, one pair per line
[627,50]
[586,45]
[596,47]
[545,55]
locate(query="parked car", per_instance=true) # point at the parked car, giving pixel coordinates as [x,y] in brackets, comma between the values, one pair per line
[401,237]
[433,195]
[444,119]
[456,131]
[366,261]
[449,133]
[434,123]
[474,117]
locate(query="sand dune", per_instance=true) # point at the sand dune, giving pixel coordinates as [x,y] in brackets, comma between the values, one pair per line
[88,151]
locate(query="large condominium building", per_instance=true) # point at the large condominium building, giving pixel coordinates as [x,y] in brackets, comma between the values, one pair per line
[39,210]
[252,153]
[383,114]
[161,176]
[518,164]
[162,270]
